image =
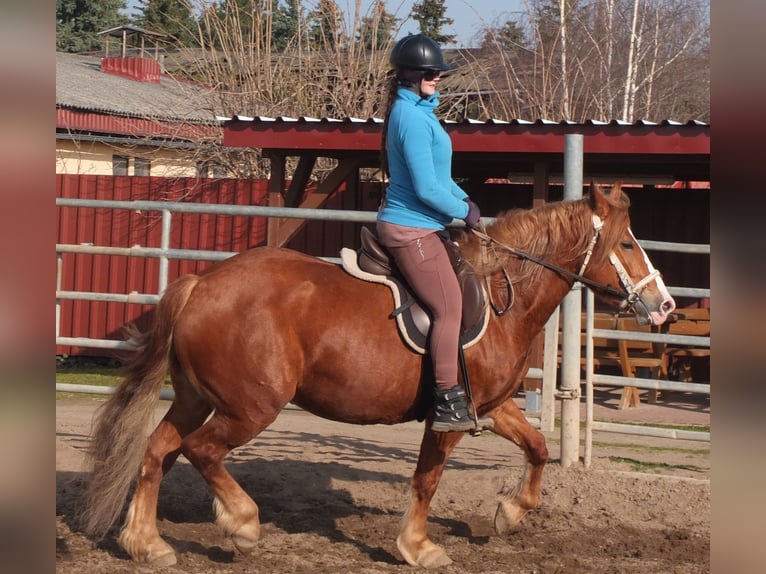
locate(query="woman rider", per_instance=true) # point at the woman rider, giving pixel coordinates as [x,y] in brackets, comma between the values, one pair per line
[421,199]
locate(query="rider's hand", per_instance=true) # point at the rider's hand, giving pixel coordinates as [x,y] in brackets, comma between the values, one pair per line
[473,216]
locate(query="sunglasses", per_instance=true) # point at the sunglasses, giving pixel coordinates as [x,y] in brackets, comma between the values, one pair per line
[430,75]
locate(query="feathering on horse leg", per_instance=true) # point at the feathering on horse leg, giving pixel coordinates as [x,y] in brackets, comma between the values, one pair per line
[139,536]
[412,541]
[510,423]
[142,541]
[235,512]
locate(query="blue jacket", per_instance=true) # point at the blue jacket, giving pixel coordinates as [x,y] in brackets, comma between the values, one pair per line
[421,191]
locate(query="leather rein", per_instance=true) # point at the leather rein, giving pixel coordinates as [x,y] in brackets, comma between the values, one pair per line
[630,296]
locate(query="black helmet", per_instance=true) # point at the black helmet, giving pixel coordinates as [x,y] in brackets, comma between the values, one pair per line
[418,52]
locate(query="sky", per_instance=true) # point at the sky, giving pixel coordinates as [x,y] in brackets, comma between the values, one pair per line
[469,15]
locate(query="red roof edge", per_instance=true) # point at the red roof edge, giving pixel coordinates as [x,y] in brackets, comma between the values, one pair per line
[74,120]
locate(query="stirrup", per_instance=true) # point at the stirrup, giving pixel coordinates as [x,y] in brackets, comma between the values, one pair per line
[451,413]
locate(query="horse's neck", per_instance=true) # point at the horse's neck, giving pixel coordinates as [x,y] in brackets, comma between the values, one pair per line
[539,299]
[538,295]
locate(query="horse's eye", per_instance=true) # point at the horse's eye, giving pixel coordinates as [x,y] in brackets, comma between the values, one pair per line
[627,245]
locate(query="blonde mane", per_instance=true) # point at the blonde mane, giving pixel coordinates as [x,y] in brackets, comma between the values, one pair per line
[559,231]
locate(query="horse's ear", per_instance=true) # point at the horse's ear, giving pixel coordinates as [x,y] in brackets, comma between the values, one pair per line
[599,199]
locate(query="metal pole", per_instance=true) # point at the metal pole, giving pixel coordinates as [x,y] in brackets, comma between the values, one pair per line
[589,306]
[571,307]
[164,245]
[59,269]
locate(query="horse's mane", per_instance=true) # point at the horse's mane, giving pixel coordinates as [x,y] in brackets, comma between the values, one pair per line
[558,231]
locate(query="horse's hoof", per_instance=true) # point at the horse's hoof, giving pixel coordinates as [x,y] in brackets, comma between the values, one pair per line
[436,557]
[156,553]
[432,556]
[246,538]
[167,559]
[157,557]
[508,517]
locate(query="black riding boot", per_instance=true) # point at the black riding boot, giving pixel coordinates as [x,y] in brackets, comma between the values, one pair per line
[452,411]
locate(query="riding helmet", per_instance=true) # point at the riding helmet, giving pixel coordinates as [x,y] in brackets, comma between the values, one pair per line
[418,52]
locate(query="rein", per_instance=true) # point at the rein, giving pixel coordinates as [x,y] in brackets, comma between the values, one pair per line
[629,297]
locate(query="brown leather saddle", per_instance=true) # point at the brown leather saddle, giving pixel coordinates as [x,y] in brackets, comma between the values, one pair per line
[413,319]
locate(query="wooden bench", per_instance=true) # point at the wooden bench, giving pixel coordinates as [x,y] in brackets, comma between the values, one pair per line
[693,322]
[632,358]
[645,359]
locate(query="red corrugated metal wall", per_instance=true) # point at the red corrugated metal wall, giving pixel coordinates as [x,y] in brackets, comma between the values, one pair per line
[124,228]
[678,215]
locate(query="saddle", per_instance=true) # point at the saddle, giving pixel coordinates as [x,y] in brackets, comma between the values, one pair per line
[371,262]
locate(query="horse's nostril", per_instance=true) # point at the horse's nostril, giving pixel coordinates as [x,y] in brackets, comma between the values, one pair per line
[667,306]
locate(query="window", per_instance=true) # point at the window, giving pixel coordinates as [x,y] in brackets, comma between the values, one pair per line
[120,165]
[210,169]
[142,166]
[202,169]
[219,170]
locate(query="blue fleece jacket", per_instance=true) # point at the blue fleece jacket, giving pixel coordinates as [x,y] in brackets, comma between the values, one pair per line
[421,191]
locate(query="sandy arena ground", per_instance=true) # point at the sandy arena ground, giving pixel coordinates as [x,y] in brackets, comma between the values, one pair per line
[331,497]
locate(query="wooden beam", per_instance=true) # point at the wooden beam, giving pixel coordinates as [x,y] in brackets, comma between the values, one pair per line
[288,228]
[540,188]
[300,179]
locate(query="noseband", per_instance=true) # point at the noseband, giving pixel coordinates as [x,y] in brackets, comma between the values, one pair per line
[632,291]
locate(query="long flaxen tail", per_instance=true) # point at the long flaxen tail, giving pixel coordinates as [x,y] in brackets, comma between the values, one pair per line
[120,433]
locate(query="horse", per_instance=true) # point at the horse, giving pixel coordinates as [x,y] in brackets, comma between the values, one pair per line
[270,326]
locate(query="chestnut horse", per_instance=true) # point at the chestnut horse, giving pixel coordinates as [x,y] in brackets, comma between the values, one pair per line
[271,326]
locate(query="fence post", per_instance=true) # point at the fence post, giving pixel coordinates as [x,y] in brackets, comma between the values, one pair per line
[167,221]
[550,368]
[571,307]
[59,271]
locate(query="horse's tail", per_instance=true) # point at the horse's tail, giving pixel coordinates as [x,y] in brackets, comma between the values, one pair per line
[119,439]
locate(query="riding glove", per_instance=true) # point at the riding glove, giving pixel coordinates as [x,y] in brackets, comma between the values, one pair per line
[473,216]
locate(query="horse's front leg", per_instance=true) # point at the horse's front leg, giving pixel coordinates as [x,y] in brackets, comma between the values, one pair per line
[413,541]
[509,422]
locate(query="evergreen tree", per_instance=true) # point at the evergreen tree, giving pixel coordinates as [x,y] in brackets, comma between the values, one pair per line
[172,17]
[285,23]
[78,23]
[547,19]
[430,17]
[509,37]
[377,31]
[325,27]
[220,19]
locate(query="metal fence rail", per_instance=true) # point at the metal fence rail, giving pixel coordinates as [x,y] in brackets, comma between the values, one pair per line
[165,253]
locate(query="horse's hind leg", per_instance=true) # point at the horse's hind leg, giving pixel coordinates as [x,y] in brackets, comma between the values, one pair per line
[413,541]
[236,513]
[509,422]
[139,536]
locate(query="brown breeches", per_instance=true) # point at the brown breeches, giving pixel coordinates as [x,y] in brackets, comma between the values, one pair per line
[426,265]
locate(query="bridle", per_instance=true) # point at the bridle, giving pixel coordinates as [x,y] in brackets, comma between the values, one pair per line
[632,291]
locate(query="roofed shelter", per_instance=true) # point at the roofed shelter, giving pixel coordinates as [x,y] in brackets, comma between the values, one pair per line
[132,36]
[531,153]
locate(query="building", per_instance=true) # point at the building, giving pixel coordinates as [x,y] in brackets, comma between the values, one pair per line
[121,115]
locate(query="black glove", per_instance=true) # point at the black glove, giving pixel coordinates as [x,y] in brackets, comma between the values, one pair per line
[473,216]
